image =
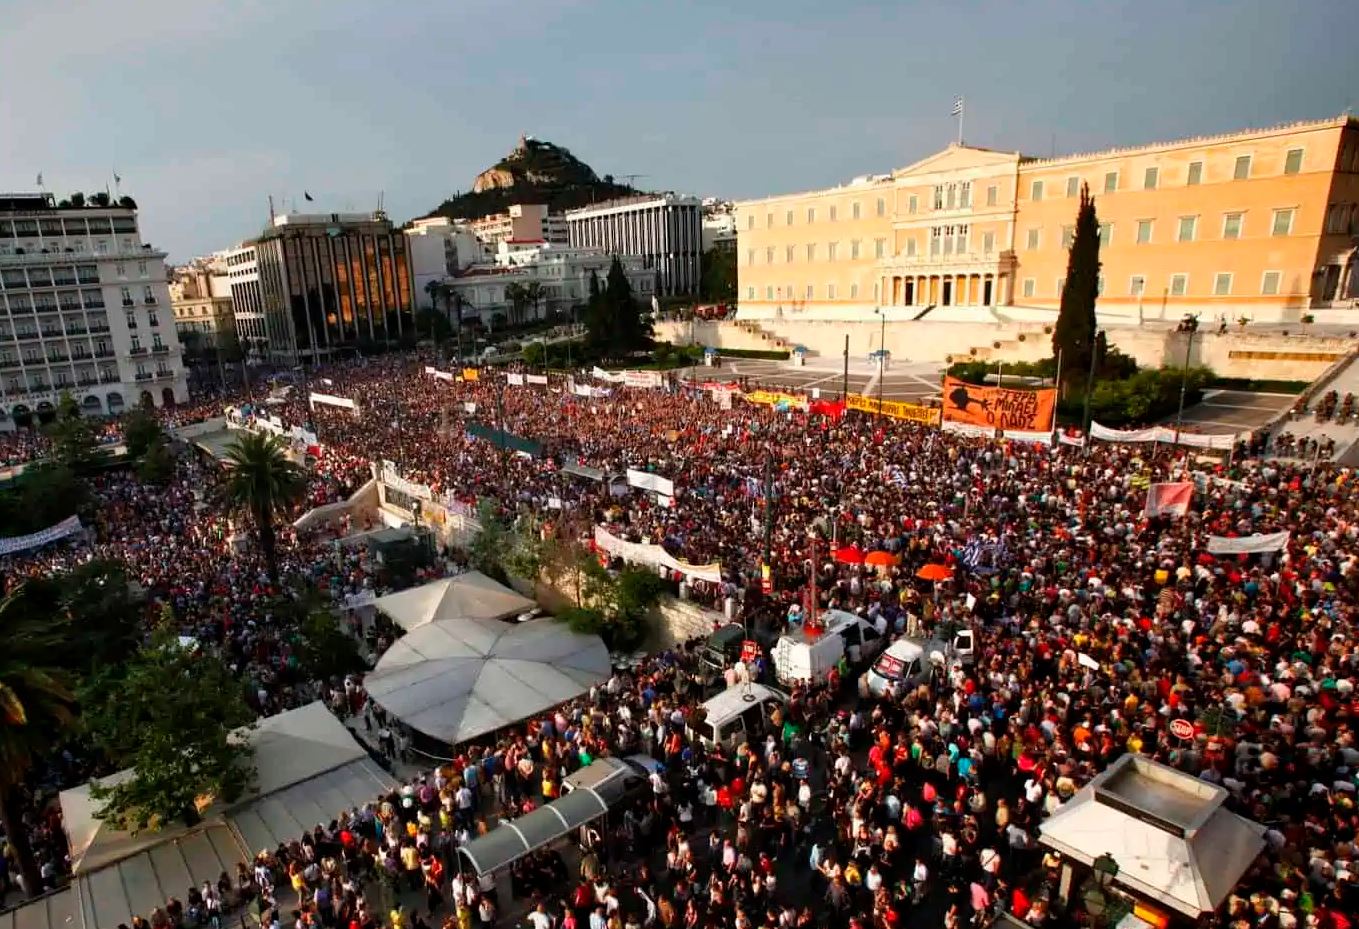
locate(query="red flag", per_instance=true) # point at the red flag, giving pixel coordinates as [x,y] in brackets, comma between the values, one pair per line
[1169,499]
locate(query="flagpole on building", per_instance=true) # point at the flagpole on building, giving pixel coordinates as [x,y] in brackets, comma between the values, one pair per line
[961,107]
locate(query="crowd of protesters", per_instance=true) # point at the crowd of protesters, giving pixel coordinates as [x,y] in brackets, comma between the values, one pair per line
[850,811]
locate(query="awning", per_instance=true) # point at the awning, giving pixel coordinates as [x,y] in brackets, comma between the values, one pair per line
[515,838]
[572,466]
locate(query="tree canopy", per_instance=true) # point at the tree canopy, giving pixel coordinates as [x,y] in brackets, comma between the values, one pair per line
[262,481]
[613,318]
[168,714]
[1074,334]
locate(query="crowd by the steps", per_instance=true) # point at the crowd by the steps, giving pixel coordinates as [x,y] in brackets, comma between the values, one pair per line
[916,795]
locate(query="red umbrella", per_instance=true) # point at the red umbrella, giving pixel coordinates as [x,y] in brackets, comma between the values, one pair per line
[850,554]
[935,572]
[881,559]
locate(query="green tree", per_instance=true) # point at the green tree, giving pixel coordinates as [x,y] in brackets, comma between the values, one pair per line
[490,547]
[43,495]
[434,324]
[534,294]
[77,199]
[141,430]
[517,294]
[157,465]
[629,331]
[1074,335]
[596,317]
[718,279]
[36,705]
[327,651]
[524,557]
[433,290]
[171,715]
[263,482]
[96,604]
[75,444]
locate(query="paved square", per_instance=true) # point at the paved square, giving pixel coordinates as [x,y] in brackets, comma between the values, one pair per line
[911,381]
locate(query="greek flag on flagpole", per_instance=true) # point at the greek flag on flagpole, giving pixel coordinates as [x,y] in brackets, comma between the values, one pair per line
[957,107]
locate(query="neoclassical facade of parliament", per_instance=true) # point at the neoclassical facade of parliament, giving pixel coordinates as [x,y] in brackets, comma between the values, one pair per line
[1248,222]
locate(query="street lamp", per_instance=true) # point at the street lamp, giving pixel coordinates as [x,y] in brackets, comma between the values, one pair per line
[1189,325]
[882,350]
[1095,896]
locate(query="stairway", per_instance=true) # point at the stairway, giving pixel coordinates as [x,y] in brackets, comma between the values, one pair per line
[777,343]
[1343,381]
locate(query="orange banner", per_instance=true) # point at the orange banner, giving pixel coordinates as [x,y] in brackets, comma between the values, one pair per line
[999,407]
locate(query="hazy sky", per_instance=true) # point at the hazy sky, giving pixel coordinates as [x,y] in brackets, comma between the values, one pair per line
[206,107]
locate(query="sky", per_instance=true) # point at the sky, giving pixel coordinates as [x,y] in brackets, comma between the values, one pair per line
[206,107]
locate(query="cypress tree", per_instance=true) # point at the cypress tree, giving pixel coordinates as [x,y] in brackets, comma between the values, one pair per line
[1074,334]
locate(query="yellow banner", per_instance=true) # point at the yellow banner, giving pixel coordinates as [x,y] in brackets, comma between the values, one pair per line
[471,374]
[775,397]
[896,409]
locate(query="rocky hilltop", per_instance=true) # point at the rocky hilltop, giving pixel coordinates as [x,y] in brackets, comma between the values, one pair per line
[534,172]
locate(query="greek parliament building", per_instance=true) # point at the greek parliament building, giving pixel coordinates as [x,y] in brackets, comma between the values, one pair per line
[1249,224]
[665,231]
[84,310]
[315,284]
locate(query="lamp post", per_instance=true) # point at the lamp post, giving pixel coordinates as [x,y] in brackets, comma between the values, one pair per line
[1189,325]
[1103,870]
[882,350]
[1089,387]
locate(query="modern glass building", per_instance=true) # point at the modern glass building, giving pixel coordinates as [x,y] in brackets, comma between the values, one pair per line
[315,285]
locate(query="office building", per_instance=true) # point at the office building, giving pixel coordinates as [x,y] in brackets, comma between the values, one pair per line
[84,310]
[313,285]
[665,231]
[1249,224]
[200,298]
[439,248]
[562,274]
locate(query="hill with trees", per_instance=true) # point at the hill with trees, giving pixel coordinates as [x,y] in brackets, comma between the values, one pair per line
[534,172]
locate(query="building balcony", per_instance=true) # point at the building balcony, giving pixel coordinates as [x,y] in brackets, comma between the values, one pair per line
[87,381]
[63,282]
[143,375]
[52,333]
[37,386]
[129,304]
[149,301]
[160,349]
[9,362]
[76,330]
[137,350]
[110,378]
[88,279]
[99,327]
[103,353]
[163,375]
[98,305]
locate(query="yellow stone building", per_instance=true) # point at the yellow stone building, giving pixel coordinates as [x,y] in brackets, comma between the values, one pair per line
[1249,223]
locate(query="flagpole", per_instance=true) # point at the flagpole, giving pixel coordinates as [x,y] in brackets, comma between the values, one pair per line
[962,108]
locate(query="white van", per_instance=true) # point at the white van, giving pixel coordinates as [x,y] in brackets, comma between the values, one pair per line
[800,657]
[908,662]
[737,714]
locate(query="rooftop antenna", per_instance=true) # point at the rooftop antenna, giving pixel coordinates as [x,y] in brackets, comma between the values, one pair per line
[632,177]
[271,209]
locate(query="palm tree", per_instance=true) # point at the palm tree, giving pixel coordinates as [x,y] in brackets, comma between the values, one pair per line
[517,294]
[261,481]
[35,704]
[433,289]
[533,292]
[452,306]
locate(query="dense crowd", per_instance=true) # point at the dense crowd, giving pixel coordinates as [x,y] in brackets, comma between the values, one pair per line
[1096,627]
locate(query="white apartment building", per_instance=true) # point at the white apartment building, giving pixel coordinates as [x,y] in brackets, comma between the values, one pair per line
[665,231]
[522,222]
[562,273]
[247,300]
[439,248]
[84,310]
[719,224]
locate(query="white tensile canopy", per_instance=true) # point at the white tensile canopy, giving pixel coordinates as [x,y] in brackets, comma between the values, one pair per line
[1168,832]
[308,769]
[456,679]
[468,595]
